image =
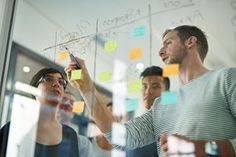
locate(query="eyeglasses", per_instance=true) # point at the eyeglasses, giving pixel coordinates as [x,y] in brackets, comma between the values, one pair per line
[51,80]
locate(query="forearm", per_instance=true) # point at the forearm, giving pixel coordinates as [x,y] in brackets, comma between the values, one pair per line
[97,107]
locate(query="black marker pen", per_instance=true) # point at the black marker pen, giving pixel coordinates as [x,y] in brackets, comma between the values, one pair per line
[72,57]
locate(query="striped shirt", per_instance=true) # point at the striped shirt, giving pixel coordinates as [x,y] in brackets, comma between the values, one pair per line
[206,110]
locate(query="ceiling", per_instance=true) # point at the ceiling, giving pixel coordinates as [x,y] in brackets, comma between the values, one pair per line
[48,26]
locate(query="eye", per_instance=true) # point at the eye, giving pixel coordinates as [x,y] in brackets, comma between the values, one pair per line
[48,79]
[144,86]
[156,86]
[62,82]
[168,43]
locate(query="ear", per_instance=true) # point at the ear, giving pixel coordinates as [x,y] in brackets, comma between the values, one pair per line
[191,41]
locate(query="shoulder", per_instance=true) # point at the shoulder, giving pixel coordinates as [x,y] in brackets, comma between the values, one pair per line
[228,74]
[5,128]
[4,138]
[225,71]
[68,131]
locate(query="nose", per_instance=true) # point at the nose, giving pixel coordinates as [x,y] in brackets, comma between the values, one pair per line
[148,90]
[56,83]
[161,51]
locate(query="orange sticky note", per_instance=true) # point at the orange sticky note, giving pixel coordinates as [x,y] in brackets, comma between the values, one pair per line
[78,106]
[135,53]
[170,70]
[63,55]
[76,74]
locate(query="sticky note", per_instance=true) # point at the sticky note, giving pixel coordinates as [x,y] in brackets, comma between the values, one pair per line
[135,53]
[170,70]
[139,31]
[105,76]
[131,105]
[63,55]
[168,98]
[76,74]
[118,134]
[134,86]
[78,107]
[110,45]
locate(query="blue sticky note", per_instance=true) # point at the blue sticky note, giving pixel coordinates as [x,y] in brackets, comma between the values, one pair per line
[139,31]
[168,98]
[131,104]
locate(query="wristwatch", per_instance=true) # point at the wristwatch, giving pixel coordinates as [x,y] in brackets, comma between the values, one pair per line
[211,149]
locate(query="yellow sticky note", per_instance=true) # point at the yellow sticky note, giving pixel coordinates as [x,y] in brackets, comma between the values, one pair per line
[78,106]
[135,53]
[105,76]
[76,74]
[170,70]
[110,45]
[134,86]
[63,55]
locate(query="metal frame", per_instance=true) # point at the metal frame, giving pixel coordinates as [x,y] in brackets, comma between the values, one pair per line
[7,16]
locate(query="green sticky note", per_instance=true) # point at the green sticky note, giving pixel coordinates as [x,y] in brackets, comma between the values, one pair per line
[76,74]
[110,45]
[105,76]
[169,98]
[131,105]
[134,86]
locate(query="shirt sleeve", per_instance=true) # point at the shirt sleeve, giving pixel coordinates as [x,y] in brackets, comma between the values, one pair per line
[85,146]
[139,131]
[230,84]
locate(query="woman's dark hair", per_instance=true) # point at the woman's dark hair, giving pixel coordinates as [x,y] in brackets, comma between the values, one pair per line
[43,72]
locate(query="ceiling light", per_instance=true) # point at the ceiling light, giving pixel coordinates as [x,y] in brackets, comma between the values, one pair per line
[140,66]
[26,69]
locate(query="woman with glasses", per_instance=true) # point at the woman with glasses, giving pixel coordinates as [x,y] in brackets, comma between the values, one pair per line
[52,138]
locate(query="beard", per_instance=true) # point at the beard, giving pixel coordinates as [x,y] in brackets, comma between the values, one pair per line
[178,56]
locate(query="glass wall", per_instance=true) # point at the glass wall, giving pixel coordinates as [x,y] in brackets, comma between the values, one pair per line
[116,39]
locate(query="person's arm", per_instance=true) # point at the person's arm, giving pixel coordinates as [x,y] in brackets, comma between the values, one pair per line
[85,146]
[230,86]
[139,132]
[93,99]
[224,146]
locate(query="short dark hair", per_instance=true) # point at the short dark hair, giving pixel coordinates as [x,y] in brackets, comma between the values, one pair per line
[186,31]
[43,72]
[155,70]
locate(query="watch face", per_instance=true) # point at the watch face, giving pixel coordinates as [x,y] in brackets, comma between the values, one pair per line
[211,148]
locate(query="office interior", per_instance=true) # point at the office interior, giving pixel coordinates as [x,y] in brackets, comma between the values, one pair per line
[35,33]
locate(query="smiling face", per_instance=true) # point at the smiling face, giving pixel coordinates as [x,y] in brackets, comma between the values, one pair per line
[152,86]
[52,88]
[173,50]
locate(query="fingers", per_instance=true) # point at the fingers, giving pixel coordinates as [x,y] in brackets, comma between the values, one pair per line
[163,142]
[176,144]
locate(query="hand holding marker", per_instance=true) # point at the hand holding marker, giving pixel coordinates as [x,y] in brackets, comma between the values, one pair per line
[72,57]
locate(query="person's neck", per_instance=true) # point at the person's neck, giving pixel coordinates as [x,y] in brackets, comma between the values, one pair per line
[191,70]
[47,115]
